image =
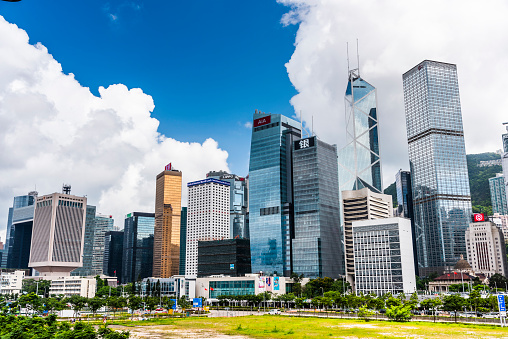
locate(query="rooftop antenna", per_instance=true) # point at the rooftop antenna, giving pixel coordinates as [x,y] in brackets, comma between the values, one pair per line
[357,57]
[301,123]
[66,189]
[312,125]
[347,54]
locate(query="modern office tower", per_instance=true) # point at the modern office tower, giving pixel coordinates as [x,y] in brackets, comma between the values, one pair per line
[168,204]
[19,231]
[486,250]
[498,194]
[86,269]
[183,240]
[359,160]
[383,256]
[361,205]
[103,224]
[238,224]
[316,244]
[229,257]
[113,254]
[405,205]
[58,234]
[207,217]
[271,223]
[437,157]
[138,246]
[22,211]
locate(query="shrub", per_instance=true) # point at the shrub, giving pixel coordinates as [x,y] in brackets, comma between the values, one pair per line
[399,313]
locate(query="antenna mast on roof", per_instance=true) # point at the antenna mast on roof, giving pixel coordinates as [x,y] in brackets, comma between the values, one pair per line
[347,55]
[358,57]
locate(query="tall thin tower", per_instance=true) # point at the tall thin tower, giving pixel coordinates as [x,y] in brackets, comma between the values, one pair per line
[437,159]
[168,203]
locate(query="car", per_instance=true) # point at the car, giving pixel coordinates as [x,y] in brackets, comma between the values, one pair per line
[274,311]
[491,315]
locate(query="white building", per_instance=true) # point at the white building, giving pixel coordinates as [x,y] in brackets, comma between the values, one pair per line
[58,234]
[207,217]
[176,286]
[70,285]
[501,222]
[486,251]
[383,256]
[11,282]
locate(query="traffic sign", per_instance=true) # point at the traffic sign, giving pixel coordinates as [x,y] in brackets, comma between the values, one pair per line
[502,305]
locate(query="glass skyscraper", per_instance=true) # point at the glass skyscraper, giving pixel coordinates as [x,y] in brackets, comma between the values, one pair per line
[437,156]
[270,192]
[86,269]
[359,161]
[138,246]
[498,194]
[183,240]
[316,250]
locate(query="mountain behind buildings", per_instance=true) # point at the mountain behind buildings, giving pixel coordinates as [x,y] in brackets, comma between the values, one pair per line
[478,181]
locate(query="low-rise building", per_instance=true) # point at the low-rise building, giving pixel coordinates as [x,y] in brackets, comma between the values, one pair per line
[11,281]
[176,286]
[70,285]
[383,256]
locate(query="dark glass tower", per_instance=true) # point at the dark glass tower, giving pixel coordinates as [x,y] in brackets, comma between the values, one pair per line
[437,157]
[86,269]
[405,206]
[359,160]
[138,246]
[316,250]
[271,197]
[183,240]
[113,254]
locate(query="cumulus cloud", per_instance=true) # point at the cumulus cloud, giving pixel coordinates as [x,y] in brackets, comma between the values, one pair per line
[53,130]
[393,37]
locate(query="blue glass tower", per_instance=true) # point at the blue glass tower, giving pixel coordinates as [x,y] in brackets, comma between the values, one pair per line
[498,194]
[359,160]
[138,246]
[271,197]
[437,158]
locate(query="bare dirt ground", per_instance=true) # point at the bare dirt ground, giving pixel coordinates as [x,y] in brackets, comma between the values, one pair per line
[168,331]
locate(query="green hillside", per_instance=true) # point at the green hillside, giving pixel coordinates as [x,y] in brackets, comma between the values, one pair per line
[478,181]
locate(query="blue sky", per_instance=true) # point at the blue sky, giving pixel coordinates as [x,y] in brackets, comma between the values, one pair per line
[207,64]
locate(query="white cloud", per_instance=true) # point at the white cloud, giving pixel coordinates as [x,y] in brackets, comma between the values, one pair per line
[53,130]
[394,36]
[248,124]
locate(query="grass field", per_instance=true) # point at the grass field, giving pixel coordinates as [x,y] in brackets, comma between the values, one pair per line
[289,327]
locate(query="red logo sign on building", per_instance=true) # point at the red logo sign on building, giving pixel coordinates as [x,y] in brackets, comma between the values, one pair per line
[477,217]
[262,121]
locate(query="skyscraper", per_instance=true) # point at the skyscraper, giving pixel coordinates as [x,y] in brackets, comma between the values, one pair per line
[207,217]
[316,250]
[138,246]
[437,157]
[498,194]
[19,231]
[271,222]
[405,206]
[238,224]
[86,269]
[504,160]
[58,234]
[113,254]
[168,203]
[359,160]
[183,240]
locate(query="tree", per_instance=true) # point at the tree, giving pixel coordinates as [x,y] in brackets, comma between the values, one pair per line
[399,312]
[413,301]
[134,303]
[392,301]
[453,303]
[95,303]
[30,301]
[365,313]
[151,303]
[116,303]
[497,281]
[36,286]
[317,287]
[183,303]
[53,304]
[431,304]
[297,283]
[77,302]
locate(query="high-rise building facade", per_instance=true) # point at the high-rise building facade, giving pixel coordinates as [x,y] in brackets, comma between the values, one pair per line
[437,157]
[486,249]
[138,245]
[405,205]
[504,160]
[86,269]
[113,254]
[183,240]
[383,256]
[356,206]
[103,224]
[238,224]
[58,234]
[271,224]
[317,238]
[498,194]
[19,231]
[207,217]
[229,257]
[359,160]
[168,204]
